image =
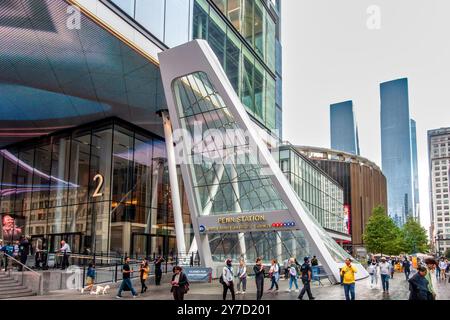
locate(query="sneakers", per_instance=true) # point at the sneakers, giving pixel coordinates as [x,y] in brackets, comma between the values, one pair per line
[243,292]
[288,290]
[118,297]
[134,297]
[82,290]
[238,292]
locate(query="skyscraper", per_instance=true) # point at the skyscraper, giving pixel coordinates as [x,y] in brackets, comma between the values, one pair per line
[439,162]
[344,132]
[415,170]
[396,149]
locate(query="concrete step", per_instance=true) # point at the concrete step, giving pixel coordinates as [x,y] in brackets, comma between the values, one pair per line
[17,288]
[17,295]
[10,285]
[8,281]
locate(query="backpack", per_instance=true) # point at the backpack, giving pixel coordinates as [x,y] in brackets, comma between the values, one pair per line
[293,271]
[221,279]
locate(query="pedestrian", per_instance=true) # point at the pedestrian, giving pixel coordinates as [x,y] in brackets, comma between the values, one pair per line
[242,277]
[293,274]
[126,282]
[393,261]
[144,270]
[442,267]
[406,268]
[227,279]
[385,271]
[373,272]
[274,274]
[348,278]
[2,252]
[418,285]
[158,271]
[65,250]
[180,284]
[286,269]
[306,276]
[430,265]
[314,261]
[24,251]
[90,278]
[258,269]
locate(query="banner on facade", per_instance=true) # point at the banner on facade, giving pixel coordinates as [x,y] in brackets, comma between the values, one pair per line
[198,274]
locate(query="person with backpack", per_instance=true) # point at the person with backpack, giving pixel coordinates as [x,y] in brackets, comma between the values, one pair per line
[274,274]
[373,272]
[258,269]
[306,276]
[180,284]
[227,279]
[242,277]
[293,274]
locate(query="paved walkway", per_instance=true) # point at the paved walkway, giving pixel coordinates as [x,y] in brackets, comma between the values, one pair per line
[213,291]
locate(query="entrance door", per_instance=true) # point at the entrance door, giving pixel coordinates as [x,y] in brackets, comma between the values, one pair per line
[140,245]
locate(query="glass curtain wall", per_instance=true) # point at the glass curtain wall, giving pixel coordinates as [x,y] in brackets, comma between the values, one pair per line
[323,196]
[104,188]
[252,80]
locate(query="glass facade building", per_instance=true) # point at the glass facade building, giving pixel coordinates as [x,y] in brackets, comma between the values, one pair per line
[323,196]
[396,149]
[344,132]
[415,170]
[103,187]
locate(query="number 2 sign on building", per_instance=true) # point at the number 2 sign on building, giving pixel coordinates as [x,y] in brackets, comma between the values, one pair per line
[97,192]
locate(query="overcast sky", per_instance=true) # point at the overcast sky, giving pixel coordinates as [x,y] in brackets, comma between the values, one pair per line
[330,55]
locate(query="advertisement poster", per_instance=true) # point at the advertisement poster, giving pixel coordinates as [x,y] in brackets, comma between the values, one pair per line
[347,218]
[12,228]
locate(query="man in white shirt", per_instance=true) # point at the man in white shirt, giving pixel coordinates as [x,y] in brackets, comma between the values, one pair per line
[442,267]
[227,278]
[65,250]
[385,272]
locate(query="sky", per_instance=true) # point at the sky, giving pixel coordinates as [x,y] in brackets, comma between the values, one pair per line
[332,54]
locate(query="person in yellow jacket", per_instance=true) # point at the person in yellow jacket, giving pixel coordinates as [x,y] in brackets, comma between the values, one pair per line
[348,279]
[144,270]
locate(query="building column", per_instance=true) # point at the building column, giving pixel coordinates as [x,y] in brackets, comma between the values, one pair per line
[279,247]
[237,207]
[174,186]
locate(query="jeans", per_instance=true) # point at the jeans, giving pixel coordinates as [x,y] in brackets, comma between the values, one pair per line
[385,282]
[438,273]
[373,279]
[407,272]
[293,279]
[349,290]
[242,281]
[274,282]
[126,282]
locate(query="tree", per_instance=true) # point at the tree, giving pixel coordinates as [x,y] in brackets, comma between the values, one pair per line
[447,253]
[381,234]
[414,237]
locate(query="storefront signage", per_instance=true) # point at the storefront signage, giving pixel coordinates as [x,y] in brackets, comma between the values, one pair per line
[281,220]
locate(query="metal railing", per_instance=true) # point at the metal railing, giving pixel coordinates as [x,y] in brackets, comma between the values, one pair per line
[23,268]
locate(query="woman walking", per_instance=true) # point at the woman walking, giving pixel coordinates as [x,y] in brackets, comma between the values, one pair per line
[242,277]
[293,274]
[227,279]
[180,284]
[373,272]
[274,274]
[144,270]
[90,278]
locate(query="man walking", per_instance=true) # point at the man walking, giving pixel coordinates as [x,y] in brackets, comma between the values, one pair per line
[406,268]
[65,250]
[348,278]
[306,275]
[258,269]
[24,250]
[126,282]
[385,272]
[227,279]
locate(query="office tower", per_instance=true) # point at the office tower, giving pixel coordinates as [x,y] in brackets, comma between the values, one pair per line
[439,164]
[344,132]
[415,170]
[396,149]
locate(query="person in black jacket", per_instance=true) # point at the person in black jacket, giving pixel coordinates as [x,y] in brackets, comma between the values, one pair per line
[24,251]
[179,284]
[258,269]
[418,285]
[158,271]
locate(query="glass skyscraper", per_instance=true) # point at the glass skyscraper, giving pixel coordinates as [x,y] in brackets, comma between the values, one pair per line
[344,132]
[415,170]
[396,148]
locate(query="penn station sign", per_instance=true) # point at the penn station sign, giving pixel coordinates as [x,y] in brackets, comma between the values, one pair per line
[230,223]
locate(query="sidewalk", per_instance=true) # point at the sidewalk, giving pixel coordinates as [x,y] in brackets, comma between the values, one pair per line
[213,291]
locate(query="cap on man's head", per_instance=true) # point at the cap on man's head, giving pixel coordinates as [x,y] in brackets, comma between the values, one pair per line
[306,259]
